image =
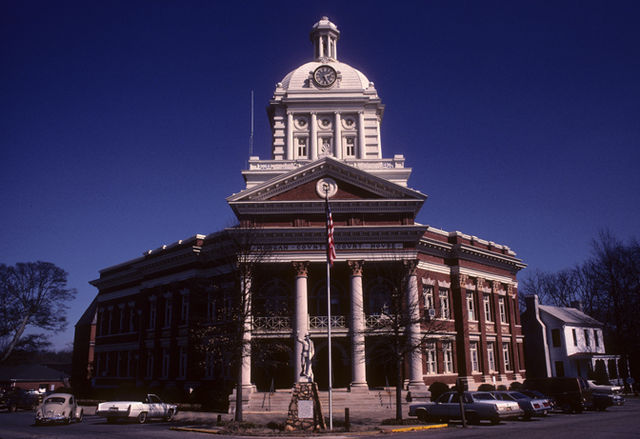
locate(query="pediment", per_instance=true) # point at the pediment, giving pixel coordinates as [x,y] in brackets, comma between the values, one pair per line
[300,185]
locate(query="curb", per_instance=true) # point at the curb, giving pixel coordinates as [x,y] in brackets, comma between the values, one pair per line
[196,430]
[418,428]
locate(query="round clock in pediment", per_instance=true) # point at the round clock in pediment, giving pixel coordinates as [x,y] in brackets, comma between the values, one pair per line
[325,76]
[326,187]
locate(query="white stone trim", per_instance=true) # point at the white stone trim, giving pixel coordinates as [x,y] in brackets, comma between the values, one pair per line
[434,268]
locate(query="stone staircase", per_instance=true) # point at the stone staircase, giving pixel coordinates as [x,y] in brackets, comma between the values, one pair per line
[359,402]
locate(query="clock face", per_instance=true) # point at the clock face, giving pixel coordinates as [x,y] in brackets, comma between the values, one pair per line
[324,76]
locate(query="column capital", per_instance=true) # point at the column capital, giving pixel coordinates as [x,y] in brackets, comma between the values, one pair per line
[410,266]
[301,268]
[496,285]
[355,267]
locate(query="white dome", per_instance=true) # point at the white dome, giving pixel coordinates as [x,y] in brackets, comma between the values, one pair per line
[350,78]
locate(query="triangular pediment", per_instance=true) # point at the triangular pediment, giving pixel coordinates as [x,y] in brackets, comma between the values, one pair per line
[300,185]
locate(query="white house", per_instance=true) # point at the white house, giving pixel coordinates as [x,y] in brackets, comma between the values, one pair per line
[563,341]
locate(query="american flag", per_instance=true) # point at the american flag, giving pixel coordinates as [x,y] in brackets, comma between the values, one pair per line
[331,247]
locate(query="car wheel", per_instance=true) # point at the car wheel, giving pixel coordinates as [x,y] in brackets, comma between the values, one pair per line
[80,417]
[422,415]
[111,420]
[495,421]
[68,420]
[12,408]
[142,418]
[37,422]
[169,416]
[473,418]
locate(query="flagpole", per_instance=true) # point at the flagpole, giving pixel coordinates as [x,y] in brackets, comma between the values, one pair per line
[326,199]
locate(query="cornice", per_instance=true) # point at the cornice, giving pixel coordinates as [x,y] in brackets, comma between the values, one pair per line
[318,206]
[321,167]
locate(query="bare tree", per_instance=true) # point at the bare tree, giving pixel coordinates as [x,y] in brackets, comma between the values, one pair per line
[237,253]
[32,294]
[400,318]
[608,287]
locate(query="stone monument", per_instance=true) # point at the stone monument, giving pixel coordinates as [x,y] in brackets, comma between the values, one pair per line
[305,411]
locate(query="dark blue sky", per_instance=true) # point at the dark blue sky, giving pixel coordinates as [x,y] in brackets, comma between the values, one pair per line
[125,124]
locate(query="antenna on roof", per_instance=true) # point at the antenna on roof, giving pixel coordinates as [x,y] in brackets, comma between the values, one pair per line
[251,128]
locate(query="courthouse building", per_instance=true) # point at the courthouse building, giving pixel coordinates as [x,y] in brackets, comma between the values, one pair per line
[326,120]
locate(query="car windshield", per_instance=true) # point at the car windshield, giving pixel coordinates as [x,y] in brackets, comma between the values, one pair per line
[518,395]
[483,396]
[55,400]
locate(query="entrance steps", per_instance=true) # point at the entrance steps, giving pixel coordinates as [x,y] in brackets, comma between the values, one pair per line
[358,401]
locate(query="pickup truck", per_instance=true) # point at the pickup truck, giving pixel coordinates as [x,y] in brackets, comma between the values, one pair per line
[140,411]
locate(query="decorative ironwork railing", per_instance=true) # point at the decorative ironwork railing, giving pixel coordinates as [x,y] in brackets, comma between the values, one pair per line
[279,323]
[378,321]
[320,322]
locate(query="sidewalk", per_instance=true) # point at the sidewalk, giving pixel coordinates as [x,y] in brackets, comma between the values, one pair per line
[205,422]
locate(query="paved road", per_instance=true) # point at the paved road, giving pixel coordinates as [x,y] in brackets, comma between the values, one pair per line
[616,423]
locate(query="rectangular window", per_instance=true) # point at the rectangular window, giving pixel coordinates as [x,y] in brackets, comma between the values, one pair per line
[152,315]
[596,337]
[503,310]
[184,309]
[107,364]
[555,337]
[165,363]
[121,322]
[149,364]
[168,308]
[350,146]
[487,308]
[119,364]
[475,364]
[427,293]
[575,337]
[506,355]
[182,364]
[471,309]
[432,362]
[445,312]
[587,340]
[301,147]
[491,357]
[132,322]
[211,307]
[448,356]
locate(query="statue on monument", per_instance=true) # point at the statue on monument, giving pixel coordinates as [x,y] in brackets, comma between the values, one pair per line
[306,356]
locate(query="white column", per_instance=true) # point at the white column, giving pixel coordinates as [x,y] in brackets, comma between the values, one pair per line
[379,138]
[413,328]
[361,140]
[289,152]
[301,321]
[338,136]
[357,327]
[314,136]
[246,336]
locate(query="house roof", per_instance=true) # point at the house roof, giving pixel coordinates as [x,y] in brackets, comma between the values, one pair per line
[570,315]
[30,372]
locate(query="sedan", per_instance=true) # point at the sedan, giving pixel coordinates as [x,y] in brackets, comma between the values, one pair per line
[58,407]
[530,406]
[478,406]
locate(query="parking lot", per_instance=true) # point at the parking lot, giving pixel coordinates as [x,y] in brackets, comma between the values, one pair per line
[615,422]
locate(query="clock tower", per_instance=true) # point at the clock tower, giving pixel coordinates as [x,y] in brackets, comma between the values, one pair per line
[325,108]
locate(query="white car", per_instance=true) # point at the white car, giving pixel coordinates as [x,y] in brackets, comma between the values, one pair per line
[141,411]
[58,407]
[603,388]
[478,406]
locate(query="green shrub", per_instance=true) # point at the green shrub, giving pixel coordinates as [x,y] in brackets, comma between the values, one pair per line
[437,389]
[486,387]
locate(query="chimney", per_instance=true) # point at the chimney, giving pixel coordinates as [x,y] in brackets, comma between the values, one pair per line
[577,304]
